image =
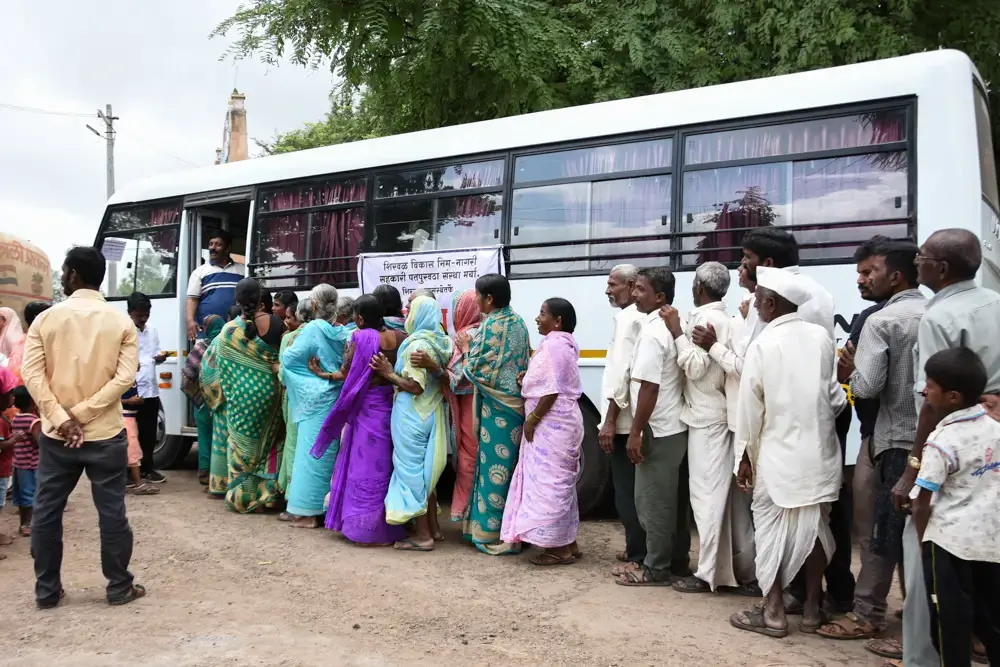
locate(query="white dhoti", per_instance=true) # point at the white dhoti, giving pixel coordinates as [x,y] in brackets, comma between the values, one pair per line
[786,536]
[721,510]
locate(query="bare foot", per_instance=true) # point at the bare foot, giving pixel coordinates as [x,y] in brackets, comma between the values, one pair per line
[305,522]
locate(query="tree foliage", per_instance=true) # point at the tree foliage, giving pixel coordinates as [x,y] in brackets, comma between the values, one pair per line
[416,64]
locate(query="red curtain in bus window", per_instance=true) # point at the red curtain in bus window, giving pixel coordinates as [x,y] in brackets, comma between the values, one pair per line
[336,237]
[160,217]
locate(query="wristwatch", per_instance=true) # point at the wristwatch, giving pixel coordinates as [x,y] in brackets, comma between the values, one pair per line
[913,462]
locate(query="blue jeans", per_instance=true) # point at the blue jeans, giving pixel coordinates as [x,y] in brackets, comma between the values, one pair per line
[24,488]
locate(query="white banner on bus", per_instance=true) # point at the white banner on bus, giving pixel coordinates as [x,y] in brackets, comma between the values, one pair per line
[444,272]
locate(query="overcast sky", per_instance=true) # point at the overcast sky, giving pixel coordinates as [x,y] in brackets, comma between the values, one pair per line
[156,65]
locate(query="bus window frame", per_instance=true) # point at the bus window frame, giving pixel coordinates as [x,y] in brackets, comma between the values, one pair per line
[676,169]
[980,91]
[103,234]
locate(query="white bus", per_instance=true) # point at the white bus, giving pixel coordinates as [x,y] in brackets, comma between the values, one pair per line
[899,147]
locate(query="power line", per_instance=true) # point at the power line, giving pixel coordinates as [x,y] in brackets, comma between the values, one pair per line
[160,150]
[47,112]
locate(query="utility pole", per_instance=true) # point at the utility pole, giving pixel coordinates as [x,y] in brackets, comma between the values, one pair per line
[109,138]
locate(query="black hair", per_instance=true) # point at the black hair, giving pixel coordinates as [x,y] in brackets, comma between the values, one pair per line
[287,298]
[223,236]
[369,308]
[138,301]
[267,300]
[774,244]
[662,281]
[88,263]
[233,312]
[496,286]
[248,298]
[958,369]
[389,299]
[22,399]
[874,246]
[34,309]
[901,256]
[563,309]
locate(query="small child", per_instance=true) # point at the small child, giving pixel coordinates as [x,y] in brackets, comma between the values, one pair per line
[960,528]
[136,484]
[8,441]
[28,426]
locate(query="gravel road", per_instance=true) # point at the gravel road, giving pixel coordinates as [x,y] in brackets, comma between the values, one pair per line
[226,589]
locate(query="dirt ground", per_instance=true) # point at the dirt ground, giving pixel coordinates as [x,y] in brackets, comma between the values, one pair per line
[226,589]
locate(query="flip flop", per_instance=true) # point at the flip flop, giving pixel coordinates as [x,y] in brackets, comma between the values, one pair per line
[850,627]
[547,558]
[640,577]
[137,591]
[885,648]
[752,620]
[24,531]
[692,585]
[411,546]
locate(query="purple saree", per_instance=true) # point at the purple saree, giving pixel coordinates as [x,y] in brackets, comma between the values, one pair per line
[364,463]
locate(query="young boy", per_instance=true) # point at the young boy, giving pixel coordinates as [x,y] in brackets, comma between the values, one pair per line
[959,527]
[28,426]
[150,356]
[131,402]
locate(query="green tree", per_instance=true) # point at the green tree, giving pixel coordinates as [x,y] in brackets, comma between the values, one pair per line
[148,275]
[417,64]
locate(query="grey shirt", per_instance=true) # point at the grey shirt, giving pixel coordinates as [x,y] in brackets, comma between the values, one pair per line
[960,315]
[883,369]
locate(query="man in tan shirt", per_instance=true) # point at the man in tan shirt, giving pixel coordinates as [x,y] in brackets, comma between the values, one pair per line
[79,358]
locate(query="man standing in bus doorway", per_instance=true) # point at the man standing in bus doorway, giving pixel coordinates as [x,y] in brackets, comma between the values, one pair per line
[657,441]
[960,314]
[787,451]
[881,369]
[83,354]
[617,415]
[721,514]
[212,286]
[150,356]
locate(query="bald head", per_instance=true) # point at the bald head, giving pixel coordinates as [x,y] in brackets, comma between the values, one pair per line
[959,248]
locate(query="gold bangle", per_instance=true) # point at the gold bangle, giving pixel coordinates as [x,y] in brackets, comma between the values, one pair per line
[535,417]
[913,462]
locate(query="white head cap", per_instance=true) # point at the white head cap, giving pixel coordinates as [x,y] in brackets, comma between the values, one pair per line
[784,284]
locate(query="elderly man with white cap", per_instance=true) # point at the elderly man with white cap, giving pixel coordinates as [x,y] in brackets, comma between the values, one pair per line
[787,450]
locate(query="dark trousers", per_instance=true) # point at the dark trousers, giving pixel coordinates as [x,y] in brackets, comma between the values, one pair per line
[146,418]
[623,477]
[964,598]
[839,578]
[59,470]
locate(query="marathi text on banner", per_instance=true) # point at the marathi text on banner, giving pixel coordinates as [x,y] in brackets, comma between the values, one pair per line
[443,272]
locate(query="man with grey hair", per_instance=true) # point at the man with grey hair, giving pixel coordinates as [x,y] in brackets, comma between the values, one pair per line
[721,512]
[616,415]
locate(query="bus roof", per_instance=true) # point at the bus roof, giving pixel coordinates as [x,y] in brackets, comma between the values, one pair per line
[880,79]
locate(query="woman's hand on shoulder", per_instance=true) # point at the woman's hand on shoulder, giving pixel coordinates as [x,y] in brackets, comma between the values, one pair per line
[315,367]
[380,365]
[421,359]
[462,340]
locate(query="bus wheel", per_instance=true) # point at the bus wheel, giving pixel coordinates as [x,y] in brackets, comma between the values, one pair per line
[593,484]
[171,450]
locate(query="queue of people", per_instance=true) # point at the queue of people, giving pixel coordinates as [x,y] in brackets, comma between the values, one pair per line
[342,413]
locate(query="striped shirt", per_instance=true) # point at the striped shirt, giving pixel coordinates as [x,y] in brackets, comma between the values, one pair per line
[215,288]
[26,454]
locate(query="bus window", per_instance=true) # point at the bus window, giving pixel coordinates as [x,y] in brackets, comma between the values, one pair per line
[426,209]
[560,198]
[310,233]
[140,244]
[987,162]
[830,203]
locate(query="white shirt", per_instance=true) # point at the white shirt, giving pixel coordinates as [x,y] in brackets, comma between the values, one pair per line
[819,309]
[615,384]
[655,360]
[732,364]
[961,465]
[789,399]
[705,379]
[149,348]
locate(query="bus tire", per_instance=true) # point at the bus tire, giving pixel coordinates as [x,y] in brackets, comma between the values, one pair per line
[593,483]
[171,450]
